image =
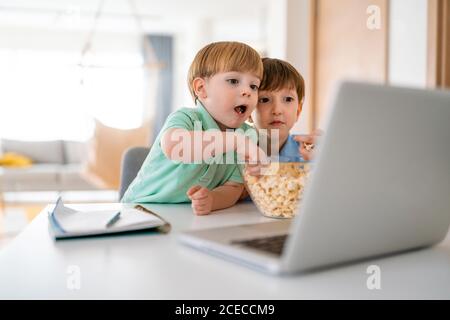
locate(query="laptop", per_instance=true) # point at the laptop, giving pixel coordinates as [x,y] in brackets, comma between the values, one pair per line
[380,185]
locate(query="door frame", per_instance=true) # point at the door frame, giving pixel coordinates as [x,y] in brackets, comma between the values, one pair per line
[313,121]
[438,55]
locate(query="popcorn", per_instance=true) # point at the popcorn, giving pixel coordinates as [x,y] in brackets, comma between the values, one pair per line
[278,193]
[309,146]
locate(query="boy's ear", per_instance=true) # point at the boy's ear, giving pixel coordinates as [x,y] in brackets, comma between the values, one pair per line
[199,86]
[299,110]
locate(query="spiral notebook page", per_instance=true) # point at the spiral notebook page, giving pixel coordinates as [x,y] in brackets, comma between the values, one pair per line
[73,221]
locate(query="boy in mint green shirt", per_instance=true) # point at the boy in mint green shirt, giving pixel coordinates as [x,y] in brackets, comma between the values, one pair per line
[194,157]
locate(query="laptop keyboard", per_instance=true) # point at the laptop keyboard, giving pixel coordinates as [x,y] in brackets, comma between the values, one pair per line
[272,244]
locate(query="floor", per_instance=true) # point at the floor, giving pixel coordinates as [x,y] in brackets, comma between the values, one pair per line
[18,209]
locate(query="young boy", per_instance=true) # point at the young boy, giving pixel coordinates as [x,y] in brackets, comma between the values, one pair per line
[223,79]
[280,102]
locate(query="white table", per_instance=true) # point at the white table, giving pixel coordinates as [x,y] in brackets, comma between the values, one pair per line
[156,266]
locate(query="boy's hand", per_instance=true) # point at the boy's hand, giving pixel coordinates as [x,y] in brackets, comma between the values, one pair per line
[307,144]
[256,170]
[202,200]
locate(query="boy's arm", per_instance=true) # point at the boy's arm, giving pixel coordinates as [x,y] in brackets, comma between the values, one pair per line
[226,195]
[194,146]
[204,201]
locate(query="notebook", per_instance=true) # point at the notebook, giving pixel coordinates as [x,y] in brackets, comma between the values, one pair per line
[65,222]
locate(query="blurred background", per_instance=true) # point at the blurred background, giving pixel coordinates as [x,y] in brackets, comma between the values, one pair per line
[81,81]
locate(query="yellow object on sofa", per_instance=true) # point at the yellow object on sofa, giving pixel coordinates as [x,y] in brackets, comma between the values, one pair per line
[12,159]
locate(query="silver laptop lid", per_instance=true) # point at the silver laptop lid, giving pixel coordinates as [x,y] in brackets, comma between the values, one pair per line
[382,177]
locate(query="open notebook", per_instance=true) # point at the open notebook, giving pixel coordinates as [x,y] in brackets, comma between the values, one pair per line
[65,222]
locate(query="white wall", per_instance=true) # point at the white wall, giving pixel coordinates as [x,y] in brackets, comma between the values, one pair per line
[408,43]
[276,28]
[297,52]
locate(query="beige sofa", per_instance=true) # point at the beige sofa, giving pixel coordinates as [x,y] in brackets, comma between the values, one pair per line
[57,166]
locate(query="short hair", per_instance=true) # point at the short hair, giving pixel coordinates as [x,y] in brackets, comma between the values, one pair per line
[224,56]
[279,74]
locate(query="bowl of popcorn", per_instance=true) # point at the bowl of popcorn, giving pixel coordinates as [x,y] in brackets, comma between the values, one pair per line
[278,191]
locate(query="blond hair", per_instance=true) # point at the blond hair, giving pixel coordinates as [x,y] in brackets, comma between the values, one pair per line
[279,74]
[224,56]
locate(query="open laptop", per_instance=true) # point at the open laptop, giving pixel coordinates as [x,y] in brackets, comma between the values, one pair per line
[380,184]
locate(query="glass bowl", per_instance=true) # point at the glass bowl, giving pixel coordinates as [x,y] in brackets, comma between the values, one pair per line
[278,191]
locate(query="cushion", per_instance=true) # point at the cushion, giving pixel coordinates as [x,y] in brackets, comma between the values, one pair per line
[38,151]
[106,149]
[12,159]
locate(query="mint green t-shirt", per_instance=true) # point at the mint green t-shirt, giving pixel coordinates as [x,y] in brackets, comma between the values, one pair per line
[161,180]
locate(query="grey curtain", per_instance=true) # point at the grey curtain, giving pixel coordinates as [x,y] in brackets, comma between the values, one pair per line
[163,49]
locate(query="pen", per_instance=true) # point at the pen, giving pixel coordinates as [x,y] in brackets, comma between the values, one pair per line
[113,219]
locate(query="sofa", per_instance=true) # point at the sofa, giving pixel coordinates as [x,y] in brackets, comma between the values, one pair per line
[56,166]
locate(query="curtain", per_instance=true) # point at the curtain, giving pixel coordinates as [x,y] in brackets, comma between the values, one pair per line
[162,51]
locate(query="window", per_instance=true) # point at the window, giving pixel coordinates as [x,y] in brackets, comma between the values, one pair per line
[47,95]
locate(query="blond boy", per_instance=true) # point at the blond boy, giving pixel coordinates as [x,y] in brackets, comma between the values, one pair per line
[223,79]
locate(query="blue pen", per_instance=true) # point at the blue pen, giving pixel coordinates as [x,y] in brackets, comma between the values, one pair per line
[113,219]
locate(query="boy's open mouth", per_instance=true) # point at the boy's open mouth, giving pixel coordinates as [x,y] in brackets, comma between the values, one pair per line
[276,122]
[241,109]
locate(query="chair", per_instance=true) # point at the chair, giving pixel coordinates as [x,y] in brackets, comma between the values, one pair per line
[132,161]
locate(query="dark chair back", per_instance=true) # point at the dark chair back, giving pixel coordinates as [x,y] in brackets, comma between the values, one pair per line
[132,161]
